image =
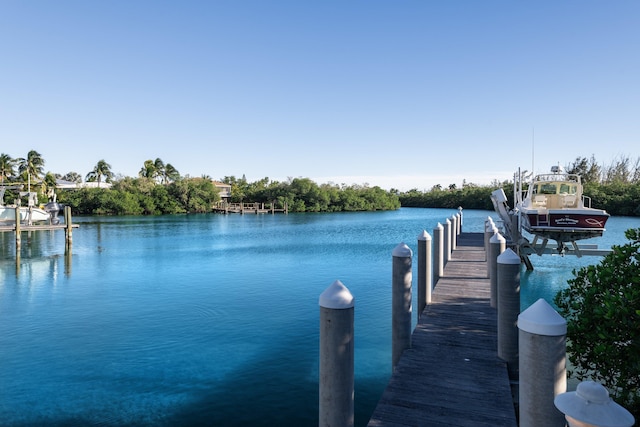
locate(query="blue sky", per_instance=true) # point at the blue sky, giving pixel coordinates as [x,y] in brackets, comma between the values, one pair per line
[400,94]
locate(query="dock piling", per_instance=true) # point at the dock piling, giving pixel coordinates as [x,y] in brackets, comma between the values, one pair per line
[508,310]
[401,302]
[425,271]
[68,228]
[336,400]
[447,241]
[497,245]
[454,232]
[18,231]
[543,373]
[438,253]
[488,232]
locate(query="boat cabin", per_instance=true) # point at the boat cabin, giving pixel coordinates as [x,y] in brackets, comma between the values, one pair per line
[555,191]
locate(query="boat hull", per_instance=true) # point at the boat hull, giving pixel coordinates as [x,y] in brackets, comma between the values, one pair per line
[8,215]
[566,225]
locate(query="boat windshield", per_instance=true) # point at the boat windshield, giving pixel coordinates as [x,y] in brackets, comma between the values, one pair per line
[568,188]
[555,188]
[546,188]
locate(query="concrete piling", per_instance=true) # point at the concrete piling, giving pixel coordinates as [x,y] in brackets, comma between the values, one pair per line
[438,253]
[336,401]
[508,307]
[543,373]
[447,241]
[497,245]
[488,232]
[425,271]
[454,232]
[401,302]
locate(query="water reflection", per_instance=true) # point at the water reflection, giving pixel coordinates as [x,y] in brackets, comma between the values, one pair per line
[37,258]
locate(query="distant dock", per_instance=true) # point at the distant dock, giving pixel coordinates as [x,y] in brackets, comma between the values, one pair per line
[18,227]
[249,208]
[451,375]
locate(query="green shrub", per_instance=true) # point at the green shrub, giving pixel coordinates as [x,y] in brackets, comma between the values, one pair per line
[602,309]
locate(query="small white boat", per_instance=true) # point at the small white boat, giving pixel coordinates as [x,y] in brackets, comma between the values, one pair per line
[553,208]
[28,214]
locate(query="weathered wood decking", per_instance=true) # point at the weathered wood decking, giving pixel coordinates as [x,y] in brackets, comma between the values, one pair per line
[451,375]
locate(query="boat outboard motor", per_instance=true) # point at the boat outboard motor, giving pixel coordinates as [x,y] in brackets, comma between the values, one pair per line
[53,209]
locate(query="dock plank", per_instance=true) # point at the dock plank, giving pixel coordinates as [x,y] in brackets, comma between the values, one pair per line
[451,375]
[36,227]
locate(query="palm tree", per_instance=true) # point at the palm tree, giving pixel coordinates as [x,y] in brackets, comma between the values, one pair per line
[101,169]
[159,170]
[170,173]
[7,167]
[32,165]
[73,177]
[148,170]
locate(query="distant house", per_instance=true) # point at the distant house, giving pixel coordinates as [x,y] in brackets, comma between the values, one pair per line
[224,189]
[62,184]
[95,184]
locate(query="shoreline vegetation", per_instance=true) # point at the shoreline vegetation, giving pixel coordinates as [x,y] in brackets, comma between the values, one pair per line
[160,189]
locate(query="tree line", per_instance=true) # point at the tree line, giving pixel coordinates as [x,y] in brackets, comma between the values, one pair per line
[614,187]
[160,189]
[305,195]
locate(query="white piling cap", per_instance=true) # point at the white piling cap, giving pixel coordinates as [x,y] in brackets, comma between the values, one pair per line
[402,251]
[448,221]
[591,404]
[336,296]
[424,236]
[439,227]
[497,238]
[541,319]
[508,257]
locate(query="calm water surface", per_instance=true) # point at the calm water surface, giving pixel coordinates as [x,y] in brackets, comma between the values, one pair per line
[206,319]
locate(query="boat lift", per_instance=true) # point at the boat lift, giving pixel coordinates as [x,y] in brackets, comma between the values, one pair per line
[524,247]
[540,245]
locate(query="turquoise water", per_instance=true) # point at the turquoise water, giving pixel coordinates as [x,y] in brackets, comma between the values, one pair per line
[206,319]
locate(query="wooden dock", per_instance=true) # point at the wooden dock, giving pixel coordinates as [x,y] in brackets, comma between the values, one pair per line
[451,375]
[18,227]
[249,208]
[35,227]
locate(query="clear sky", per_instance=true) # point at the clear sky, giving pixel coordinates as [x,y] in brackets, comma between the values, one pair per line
[400,94]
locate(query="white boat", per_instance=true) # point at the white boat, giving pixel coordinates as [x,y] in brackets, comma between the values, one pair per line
[553,207]
[28,214]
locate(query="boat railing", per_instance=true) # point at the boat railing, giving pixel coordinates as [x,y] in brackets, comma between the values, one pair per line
[558,177]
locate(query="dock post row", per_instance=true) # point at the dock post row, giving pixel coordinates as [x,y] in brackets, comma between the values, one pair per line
[458,370]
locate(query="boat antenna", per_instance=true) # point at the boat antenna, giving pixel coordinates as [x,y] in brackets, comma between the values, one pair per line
[533,146]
